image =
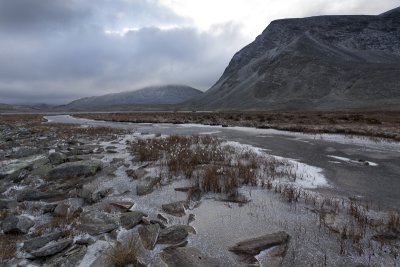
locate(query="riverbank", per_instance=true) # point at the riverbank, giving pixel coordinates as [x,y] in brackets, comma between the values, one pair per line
[371,124]
[99,196]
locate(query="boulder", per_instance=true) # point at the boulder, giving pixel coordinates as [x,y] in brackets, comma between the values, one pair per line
[175,208]
[23,152]
[57,158]
[137,174]
[254,246]
[129,220]
[147,186]
[174,234]
[35,195]
[149,235]
[52,248]
[96,223]
[123,205]
[15,167]
[39,242]
[75,169]
[17,224]
[187,257]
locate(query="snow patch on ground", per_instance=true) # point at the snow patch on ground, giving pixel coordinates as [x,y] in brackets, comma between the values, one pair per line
[369,163]
[308,176]
[93,252]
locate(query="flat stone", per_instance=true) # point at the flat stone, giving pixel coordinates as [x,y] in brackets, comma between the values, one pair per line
[149,235]
[17,225]
[17,166]
[254,246]
[84,168]
[123,205]
[137,174]
[175,208]
[52,248]
[130,219]
[187,257]
[174,234]
[35,195]
[57,158]
[96,223]
[24,152]
[39,242]
[147,186]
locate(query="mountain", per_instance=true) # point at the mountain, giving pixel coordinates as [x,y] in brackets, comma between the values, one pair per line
[314,63]
[149,96]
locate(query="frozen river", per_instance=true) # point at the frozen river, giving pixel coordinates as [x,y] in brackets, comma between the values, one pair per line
[354,166]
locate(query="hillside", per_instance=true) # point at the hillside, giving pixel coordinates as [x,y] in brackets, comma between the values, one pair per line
[314,63]
[149,96]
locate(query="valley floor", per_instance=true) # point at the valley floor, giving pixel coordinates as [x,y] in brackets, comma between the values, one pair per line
[86,195]
[375,124]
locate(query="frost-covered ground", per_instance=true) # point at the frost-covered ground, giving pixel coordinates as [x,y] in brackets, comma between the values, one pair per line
[220,225]
[281,194]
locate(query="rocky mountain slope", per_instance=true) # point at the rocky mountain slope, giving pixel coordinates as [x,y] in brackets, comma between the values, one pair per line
[314,63]
[156,95]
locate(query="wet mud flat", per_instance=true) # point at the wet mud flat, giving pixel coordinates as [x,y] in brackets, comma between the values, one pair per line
[79,195]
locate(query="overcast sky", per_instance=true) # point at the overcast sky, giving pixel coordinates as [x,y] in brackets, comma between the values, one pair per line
[55,51]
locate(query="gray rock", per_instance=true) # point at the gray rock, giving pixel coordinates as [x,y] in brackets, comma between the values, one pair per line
[137,174]
[52,248]
[147,186]
[175,208]
[85,241]
[17,224]
[130,219]
[174,234]
[75,169]
[123,205]
[96,223]
[17,166]
[7,204]
[68,207]
[35,195]
[24,152]
[70,258]
[149,235]
[187,257]
[255,245]
[57,158]
[92,195]
[39,242]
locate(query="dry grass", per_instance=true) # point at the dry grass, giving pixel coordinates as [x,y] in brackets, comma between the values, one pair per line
[213,166]
[27,118]
[8,246]
[382,124]
[123,254]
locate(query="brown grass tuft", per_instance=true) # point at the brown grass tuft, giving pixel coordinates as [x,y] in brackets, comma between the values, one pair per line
[123,254]
[8,246]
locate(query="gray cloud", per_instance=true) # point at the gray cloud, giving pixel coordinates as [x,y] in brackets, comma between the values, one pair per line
[83,63]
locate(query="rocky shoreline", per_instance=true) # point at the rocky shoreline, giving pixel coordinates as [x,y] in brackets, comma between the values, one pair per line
[74,195]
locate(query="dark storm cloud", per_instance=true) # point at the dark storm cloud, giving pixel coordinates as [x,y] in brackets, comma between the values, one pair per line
[57,51]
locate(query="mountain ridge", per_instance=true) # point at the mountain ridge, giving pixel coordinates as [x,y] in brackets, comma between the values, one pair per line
[321,62]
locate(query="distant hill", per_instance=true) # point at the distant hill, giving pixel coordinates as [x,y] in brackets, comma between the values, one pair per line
[314,63]
[149,96]
[6,108]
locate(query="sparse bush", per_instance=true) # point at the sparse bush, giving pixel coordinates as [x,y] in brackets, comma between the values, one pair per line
[123,254]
